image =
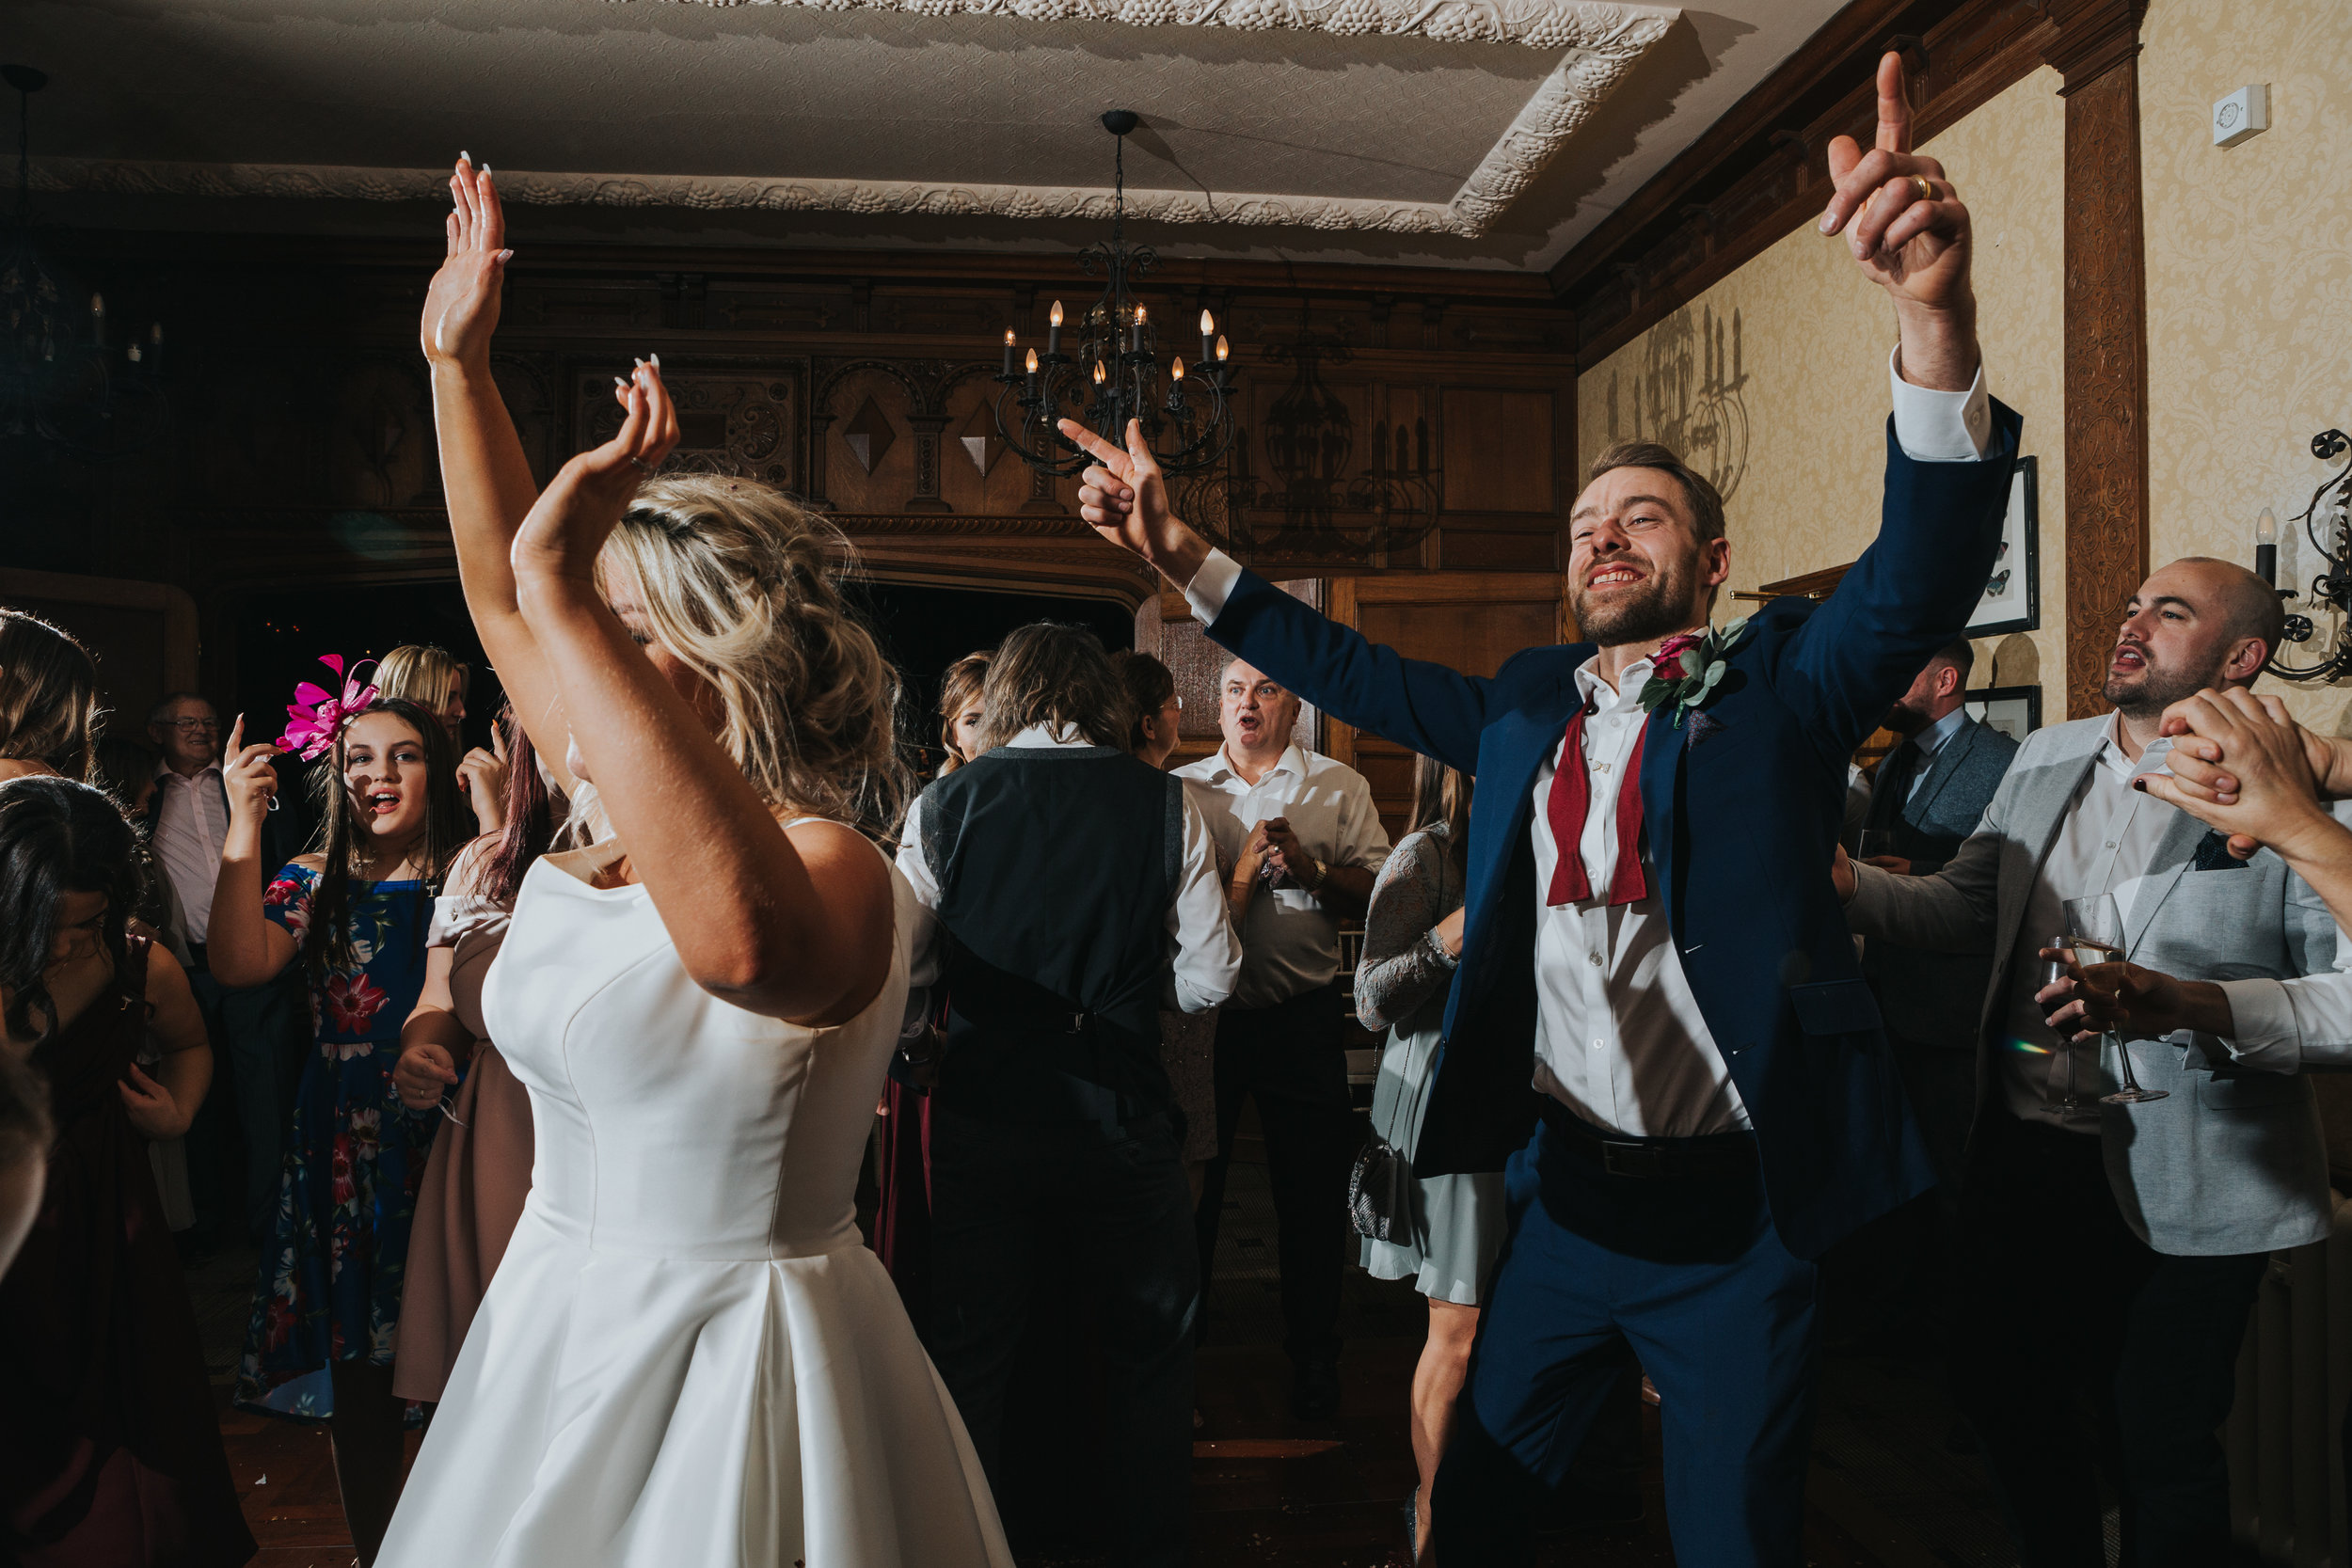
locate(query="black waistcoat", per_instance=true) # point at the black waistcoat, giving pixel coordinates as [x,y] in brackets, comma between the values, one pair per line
[1055,866]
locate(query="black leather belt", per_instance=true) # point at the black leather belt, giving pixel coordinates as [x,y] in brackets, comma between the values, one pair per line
[1720,1154]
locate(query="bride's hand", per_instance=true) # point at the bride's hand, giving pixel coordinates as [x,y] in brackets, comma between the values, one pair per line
[578,511]
[461,307]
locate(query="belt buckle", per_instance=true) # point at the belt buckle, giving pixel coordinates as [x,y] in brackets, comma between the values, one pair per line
[1631,1160]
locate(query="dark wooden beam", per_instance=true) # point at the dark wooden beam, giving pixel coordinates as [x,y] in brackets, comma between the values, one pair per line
[2096,49]
[1762,172]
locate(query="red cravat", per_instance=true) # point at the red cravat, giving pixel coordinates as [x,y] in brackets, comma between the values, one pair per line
[1571,796]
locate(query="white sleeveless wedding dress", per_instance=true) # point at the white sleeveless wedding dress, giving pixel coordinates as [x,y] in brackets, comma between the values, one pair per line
[687,1358]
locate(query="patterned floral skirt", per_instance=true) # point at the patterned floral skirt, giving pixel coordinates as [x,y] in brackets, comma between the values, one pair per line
[330,1279]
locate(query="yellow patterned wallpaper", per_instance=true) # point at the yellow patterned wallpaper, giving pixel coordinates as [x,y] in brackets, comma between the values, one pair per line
[2250,280]
[1772,377]
[1775,378]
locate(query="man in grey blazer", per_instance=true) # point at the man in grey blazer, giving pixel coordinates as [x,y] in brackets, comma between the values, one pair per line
[2122,1246]
[1929,796]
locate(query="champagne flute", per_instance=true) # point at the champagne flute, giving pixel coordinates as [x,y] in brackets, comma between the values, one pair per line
[2062,1100]
[2095,928]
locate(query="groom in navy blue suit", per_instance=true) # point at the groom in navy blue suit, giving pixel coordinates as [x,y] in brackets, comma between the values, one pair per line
[1659,1026]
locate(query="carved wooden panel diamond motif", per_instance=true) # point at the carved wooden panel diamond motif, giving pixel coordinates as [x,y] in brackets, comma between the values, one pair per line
[869,435]
[743,424]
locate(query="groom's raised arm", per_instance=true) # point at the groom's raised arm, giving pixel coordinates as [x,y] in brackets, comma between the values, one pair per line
[1950,449]
[1428,707]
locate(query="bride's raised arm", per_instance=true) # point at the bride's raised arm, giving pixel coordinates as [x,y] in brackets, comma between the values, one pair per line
[485,475]
[795,924]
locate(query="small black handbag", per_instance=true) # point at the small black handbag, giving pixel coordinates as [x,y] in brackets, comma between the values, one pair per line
[1380,1193]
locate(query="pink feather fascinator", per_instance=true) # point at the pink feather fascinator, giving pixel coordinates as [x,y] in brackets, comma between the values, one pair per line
[318,715]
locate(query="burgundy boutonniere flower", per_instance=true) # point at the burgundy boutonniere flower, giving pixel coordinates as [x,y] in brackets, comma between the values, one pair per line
[1689,667]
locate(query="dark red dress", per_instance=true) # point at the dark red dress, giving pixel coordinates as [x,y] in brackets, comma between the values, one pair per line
[110,1451]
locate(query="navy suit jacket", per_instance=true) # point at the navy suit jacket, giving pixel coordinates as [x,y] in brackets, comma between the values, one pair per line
[1740,826]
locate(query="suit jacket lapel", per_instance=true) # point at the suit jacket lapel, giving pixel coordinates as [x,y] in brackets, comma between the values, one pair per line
[1946,763]
[2174,851]
[2041,814]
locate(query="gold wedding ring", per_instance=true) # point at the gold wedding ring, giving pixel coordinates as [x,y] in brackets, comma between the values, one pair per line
[1925,186]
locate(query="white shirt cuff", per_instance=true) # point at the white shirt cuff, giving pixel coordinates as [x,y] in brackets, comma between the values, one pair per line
[2263,1032]
[1212,586]
[1940,427]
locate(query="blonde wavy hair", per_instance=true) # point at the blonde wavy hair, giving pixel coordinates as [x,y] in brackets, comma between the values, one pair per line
[422,673]
[743,584]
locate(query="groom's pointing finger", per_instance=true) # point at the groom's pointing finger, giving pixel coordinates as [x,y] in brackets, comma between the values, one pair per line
[1894,133]
[1094,445]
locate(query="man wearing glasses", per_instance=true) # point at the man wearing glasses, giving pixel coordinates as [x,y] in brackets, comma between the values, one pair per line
[251,1096]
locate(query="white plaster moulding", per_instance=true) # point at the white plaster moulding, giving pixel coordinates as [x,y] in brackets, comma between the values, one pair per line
[1602,43]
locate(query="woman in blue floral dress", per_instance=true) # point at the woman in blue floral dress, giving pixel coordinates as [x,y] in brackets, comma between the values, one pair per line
[354,914]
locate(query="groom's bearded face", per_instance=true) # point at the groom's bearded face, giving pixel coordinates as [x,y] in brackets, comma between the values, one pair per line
[1636,563]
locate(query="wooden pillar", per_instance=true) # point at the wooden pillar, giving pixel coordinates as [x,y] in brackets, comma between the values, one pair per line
[2097,53]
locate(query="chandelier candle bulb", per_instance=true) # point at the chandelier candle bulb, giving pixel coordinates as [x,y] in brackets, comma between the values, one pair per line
[1208,331]
[1136,340]
[1032,372]
[97,317]
[2267,547]
[1008,340]
[1052,330]
[1176,368]
[1098,372]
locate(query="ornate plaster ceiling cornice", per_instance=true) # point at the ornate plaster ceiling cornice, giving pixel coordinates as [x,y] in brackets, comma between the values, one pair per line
[1599,45]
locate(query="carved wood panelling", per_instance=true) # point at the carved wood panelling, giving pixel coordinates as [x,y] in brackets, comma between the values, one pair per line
[302,451]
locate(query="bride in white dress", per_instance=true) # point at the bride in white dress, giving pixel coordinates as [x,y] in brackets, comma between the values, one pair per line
[688,1357]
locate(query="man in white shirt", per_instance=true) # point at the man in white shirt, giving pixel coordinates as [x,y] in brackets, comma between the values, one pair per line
[1644,939]
[1304,842]
[1072,890]
[2145,1225]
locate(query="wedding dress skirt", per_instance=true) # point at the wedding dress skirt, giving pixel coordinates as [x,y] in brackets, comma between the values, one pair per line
[688,1357]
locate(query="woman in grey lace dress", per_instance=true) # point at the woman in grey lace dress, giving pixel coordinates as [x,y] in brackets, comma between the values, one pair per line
[1412,943]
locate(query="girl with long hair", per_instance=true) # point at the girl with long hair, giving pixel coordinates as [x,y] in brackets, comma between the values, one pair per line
[437,681]
[49,714]
[1450,1237]
[354,914]
[960,709]
[688,1357]
[479,1171]
[109,1452]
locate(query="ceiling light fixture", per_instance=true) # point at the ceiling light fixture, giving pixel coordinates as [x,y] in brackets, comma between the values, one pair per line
[1116,375]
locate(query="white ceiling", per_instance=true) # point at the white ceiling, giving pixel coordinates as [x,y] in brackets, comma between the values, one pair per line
[1484,132]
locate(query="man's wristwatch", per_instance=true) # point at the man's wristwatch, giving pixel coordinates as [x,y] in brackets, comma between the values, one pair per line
[1322,874]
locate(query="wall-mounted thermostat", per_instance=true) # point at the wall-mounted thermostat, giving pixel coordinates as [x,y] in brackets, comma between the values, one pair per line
[2243,114]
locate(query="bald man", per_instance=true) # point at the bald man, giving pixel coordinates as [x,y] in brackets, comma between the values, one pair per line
[2120,1243]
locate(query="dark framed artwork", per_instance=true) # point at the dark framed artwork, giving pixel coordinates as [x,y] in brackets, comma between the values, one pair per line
[2013,710]
[2013,595]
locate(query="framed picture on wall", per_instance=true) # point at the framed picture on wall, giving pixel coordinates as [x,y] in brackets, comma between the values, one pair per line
[2013,710]
[2013,595]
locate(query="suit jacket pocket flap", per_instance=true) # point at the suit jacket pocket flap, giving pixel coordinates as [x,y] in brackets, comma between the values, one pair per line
[1835,1007]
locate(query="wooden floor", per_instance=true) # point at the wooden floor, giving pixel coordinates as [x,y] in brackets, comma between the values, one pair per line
[1892,1486]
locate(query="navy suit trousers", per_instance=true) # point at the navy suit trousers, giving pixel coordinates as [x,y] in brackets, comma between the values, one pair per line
[1690,1275]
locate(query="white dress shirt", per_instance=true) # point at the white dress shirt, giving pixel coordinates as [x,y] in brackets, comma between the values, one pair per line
[2105,843]
[1200,932]
[1290,945]
[191,825]
[1619,1038]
